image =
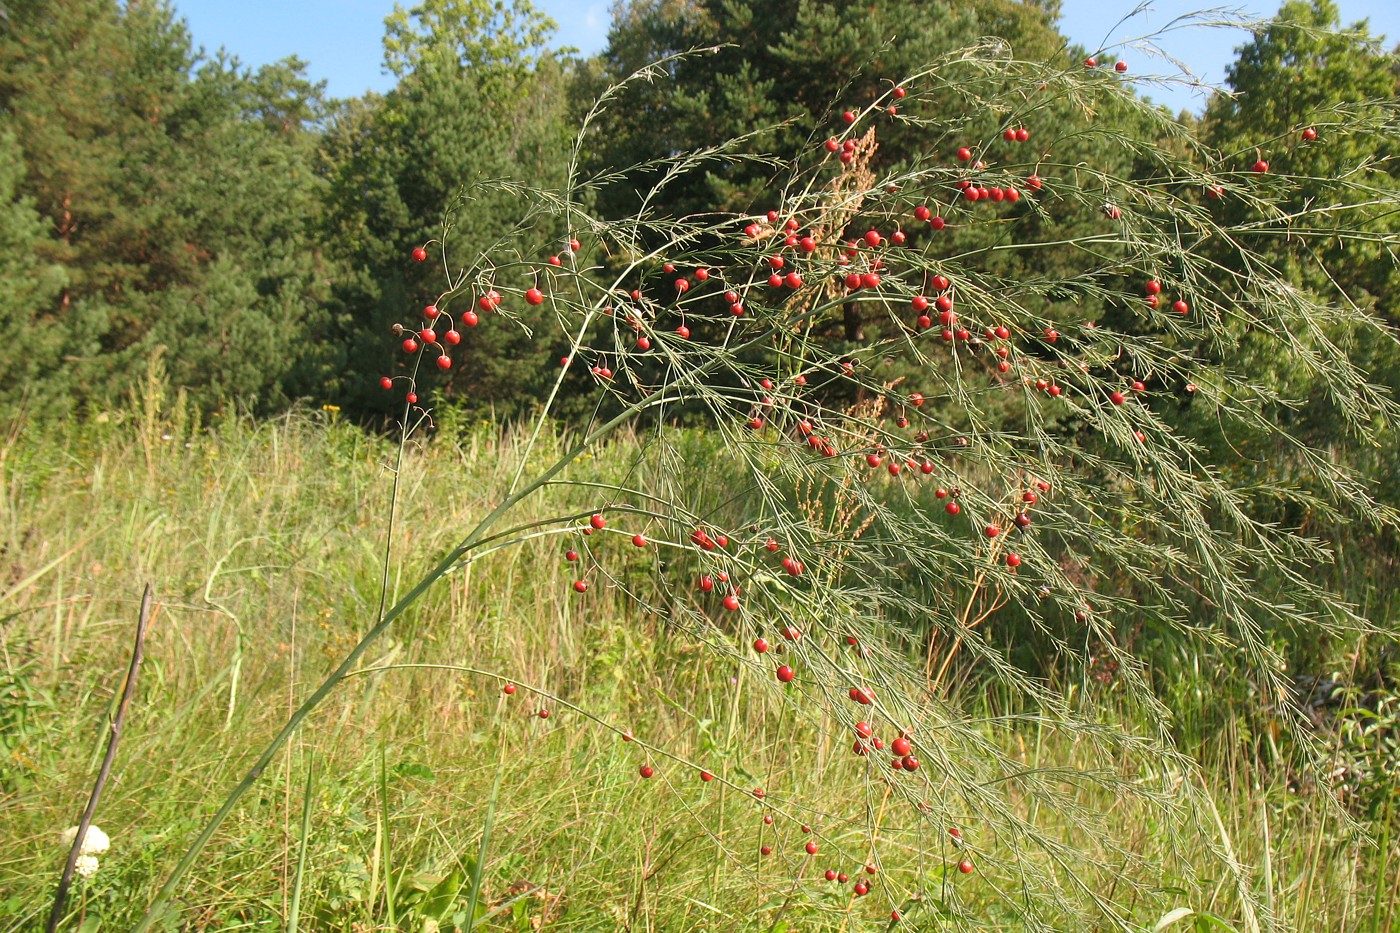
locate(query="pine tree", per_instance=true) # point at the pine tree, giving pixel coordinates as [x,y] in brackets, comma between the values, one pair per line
[31,343]
[179,207]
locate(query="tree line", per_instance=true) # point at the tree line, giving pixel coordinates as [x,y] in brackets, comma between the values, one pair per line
[155,196]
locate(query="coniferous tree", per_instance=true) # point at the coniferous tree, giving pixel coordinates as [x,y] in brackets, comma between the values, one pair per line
[180,196]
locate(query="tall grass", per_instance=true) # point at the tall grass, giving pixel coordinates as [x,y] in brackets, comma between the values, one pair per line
[245,525]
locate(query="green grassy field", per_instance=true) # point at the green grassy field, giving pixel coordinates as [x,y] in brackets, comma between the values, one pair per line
[421,794]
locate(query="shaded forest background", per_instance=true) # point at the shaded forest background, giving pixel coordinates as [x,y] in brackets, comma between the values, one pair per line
[156,196]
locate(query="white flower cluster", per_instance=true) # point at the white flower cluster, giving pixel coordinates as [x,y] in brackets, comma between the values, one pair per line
[95,842]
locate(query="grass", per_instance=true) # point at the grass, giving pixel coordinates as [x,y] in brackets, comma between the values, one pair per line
[265,541]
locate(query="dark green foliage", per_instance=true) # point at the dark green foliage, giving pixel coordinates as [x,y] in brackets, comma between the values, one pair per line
[179,194]
[30,347]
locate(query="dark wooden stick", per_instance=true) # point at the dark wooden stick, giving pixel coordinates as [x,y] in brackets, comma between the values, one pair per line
[56,916]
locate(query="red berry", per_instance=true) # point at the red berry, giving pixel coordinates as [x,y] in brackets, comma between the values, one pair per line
[849,116]
[1034,181]
[992,531]
[575,245]
[411,398]
[832,145]
[571,555]
[508,689]
[1260,167]
[760,645]
[964,154]
[861,889]
[901,746]
[706,776]
[580,586]
[937,223]
[1091,62]
[952,508]
[1022,134]
[684,332]
[420,254]
[639,541]
[765,850]
[444,362]
[1309,134]
[1180,306]
[1120,67]
[731,602]
[646,771]
[965,866]
[544,714]
[706,584]
[1013,560]
[385,382]
[811,848]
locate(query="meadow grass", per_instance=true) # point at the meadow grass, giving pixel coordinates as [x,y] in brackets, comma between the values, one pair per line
[420,794]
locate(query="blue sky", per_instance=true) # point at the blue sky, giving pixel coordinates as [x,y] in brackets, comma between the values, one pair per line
[340,39]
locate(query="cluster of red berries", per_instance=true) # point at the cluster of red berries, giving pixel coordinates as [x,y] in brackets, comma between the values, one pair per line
[1152,292]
